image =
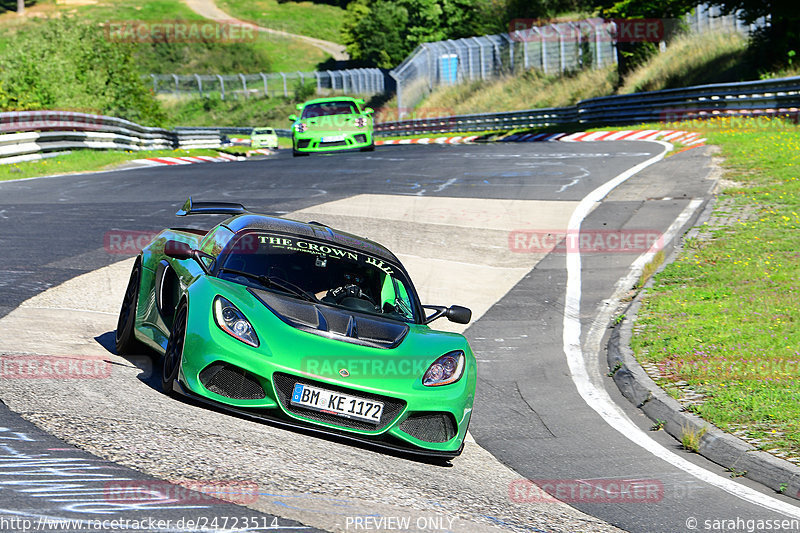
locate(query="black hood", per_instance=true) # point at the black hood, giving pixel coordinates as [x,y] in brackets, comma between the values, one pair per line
[333,322]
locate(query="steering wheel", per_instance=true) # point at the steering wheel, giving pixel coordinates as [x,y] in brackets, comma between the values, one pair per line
[339,294]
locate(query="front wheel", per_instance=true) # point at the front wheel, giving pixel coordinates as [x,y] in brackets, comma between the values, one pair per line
[124,338]
[174,352]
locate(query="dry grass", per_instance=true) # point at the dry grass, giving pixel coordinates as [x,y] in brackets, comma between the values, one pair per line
[529,90]
[691,60]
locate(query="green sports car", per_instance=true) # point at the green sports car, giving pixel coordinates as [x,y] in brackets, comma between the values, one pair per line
[330,124]
[302,325]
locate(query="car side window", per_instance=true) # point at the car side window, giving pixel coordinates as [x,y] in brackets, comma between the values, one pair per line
[395,296]
[215,241]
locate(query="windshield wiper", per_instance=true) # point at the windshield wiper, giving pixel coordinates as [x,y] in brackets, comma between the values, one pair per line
[272,281]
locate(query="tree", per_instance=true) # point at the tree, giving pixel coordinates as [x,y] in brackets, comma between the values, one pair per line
[384,32]
[633,54]
[374,34]
[773,45]
[69,64]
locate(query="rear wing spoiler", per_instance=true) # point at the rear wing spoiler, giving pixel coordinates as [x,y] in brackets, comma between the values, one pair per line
[211,208]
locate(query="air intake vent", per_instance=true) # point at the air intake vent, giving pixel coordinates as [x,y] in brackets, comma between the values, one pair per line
[232,382]
[430,427]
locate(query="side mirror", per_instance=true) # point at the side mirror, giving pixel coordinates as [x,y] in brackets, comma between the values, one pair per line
[458,314]
[181,250]
[299,107]
[455,313]
[292,118]
[369,111]
[178,250]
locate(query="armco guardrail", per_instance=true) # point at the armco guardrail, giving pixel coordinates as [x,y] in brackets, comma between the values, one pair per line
[773,97]
[30,135]
[228,130]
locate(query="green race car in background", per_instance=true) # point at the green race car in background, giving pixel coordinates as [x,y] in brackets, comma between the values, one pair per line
[302,325]
[330,124]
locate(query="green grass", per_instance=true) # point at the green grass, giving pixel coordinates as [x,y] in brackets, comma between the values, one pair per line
[211,111]
[260,53]
[86,161]
[724,317]
[318,20]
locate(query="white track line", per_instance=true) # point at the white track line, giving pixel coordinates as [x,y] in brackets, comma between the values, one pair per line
[597,397]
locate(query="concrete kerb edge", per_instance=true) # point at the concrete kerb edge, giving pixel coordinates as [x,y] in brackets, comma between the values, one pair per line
[722,448]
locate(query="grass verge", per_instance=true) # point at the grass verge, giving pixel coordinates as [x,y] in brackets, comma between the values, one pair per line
[721,321]
[319,20]
[86,161]
[262,53]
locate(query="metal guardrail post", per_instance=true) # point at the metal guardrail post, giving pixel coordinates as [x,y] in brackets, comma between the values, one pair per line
[221,87]
[244,85]
[398,93]
[543,47]
[175,77]
[285,92]
[266,89]
[562,64]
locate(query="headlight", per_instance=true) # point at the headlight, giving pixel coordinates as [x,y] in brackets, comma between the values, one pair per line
[232,321]
[447,369]
[301,127]
[361,122]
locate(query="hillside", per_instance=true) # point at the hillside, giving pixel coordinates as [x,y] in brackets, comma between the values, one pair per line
[689,60]
[254,52]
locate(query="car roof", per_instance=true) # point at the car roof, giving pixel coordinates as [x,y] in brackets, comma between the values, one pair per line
[313,230]
[334,99]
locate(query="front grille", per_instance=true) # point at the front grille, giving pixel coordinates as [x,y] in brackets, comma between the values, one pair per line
[284,385]
[430,427]
[232,382]
[334,143]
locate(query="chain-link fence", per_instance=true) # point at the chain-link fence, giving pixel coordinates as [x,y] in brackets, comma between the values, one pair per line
[365,81]
[710,18]
[551,48]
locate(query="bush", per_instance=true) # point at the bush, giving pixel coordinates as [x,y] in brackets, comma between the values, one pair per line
[68,64]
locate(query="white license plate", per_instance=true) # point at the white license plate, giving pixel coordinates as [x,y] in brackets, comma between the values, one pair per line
[333,138]
[337,403]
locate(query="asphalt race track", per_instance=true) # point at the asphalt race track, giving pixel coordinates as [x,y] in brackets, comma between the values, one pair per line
[468,221]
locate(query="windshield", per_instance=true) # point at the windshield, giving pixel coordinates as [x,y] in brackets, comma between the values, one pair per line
[324,109]
[265,131]
[320,271]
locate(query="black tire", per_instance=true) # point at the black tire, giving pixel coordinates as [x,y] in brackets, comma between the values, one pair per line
[295,153]
[174,352]
[370,148]
[124,338]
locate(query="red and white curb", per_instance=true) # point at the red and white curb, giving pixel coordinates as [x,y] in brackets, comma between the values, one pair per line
[686,138]
[261,151]
[186,160]
[430,140]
